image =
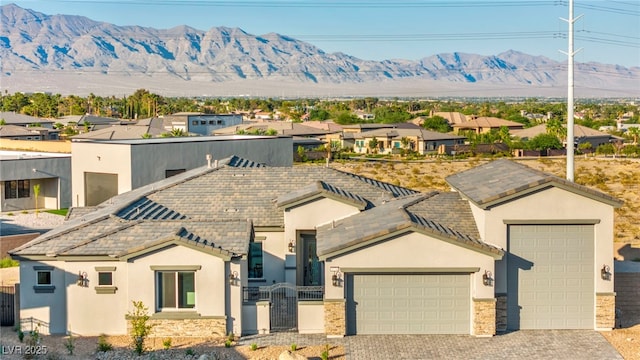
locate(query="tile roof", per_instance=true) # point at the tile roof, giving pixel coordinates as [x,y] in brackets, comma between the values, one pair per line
[321,188]
[236,190]
[500,180]
[487,122]
[578,131]
[389,219]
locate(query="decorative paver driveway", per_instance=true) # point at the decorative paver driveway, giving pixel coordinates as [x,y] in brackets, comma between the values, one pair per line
[539,344]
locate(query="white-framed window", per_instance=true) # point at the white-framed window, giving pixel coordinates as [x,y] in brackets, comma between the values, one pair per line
[176,290]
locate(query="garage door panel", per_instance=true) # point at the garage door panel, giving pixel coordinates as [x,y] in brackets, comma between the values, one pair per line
[550,277]
[421,304]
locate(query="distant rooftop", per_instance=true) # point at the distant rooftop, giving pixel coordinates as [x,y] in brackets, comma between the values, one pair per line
[184,139]
[17,155]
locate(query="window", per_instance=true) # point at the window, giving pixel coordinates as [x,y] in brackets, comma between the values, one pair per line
[15,189]
[106,285]
[176,289]
[194,122]
[105,278]
[44,280]
[220,122]
[255,260]
[203,122]
[44,277]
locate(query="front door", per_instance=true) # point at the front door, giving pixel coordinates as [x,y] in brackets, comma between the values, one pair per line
[310,264]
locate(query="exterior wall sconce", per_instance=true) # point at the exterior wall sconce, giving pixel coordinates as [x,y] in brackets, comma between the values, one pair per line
[487,278]
[233,278]
[336,278]
[291,246]
[605,273]
[83,279]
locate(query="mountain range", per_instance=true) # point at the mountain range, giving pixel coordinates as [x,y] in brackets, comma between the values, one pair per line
[71,54]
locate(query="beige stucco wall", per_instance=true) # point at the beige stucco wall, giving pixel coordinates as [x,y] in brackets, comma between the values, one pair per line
[99,158]
[413,250]
[311,317]
[92,313]
[553,204]
[273,257]
[307,217]
[211,280]
[49,308]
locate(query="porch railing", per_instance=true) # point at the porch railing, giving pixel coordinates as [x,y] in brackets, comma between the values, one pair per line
[263,293]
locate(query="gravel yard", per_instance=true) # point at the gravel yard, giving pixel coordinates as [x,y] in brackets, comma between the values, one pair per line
[181,348]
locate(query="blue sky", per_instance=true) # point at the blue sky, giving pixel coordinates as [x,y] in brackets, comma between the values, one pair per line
[608,31]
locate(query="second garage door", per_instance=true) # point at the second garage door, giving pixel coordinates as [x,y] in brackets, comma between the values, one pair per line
[550,277]
[409,304]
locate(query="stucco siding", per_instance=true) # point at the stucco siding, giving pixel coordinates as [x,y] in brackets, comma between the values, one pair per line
[273,256]
[99,158]
[553,205]
[92,312]
[210,280]
[44,306]
[414,251]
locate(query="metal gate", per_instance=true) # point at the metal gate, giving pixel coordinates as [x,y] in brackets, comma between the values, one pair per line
[7,303]
[284,306]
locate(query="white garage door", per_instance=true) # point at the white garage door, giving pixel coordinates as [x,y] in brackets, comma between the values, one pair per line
[410,304]
[550,277]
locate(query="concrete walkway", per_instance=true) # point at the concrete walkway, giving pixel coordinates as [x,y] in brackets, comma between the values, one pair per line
[539,344]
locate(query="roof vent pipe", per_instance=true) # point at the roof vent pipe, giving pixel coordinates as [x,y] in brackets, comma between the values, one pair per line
[209,161]
[215,163]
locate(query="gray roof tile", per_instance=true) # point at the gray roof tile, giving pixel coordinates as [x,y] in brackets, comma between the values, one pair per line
[502,179]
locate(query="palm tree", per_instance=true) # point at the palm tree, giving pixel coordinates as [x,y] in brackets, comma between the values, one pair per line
[635,133]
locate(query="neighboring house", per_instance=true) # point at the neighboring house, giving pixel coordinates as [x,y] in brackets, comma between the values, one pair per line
[200,123]
[391,140]
[364,115]
[126,132]
[624,127]
[15,132]
[581,134]
[535,117]
[105,168]
[12,118]
[95,122]
[452,117]
[286,128]
[483,124]
[243,248]
[20,171]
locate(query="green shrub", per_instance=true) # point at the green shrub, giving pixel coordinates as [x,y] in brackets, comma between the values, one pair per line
[103,344]
[70,344]
[254,347]
[294,347]
[140,327]
[190,352]
[228,343]
[8,262]
[20,335]
[166,343]
[325,353]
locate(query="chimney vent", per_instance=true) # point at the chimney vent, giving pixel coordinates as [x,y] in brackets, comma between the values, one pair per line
[209,161]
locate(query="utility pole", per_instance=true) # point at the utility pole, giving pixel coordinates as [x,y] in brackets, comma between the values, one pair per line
[570,54]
